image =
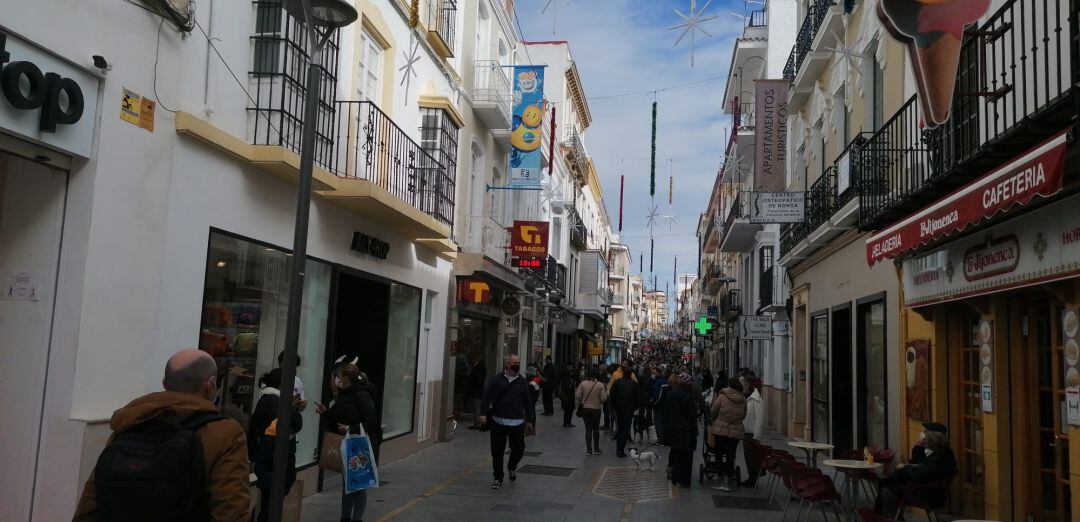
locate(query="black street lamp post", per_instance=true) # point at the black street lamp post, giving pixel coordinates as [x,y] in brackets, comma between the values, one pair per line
[321,18]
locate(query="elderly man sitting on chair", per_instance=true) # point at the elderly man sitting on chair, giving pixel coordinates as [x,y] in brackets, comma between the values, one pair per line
[932,463]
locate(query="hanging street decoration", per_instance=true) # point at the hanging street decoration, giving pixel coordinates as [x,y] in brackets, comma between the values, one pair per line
[652,168]
[622,189]
[691,24]
[526,133]
[409,69]
[414,14]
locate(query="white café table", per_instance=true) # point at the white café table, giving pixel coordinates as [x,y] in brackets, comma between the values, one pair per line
[849,485]
[811,449]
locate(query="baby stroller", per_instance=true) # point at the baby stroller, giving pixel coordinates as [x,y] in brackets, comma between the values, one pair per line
[710,466]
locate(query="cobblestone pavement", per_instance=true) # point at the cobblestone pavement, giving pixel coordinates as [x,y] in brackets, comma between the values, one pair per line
[556,482]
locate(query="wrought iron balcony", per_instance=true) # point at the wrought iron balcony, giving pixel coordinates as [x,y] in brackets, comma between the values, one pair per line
[804,39]
[1016,86]
[441,21]
[579,234]
[790,235]
[489,237]
[742,113]
[370,146]
[354,139]
[576,155]
[759,18]
[821,199]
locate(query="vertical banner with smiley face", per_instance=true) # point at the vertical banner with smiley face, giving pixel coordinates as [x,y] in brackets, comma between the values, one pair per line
[986,363]
[1070,328]
[526,131]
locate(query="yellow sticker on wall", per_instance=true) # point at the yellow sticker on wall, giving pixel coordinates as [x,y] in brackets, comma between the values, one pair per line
[130,106]
[146,114]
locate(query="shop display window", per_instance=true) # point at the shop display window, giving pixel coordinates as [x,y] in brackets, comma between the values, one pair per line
[401,351]
[874,399]
[245,303]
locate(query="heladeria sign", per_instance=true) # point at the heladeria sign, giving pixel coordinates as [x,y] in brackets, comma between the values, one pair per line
[46,99]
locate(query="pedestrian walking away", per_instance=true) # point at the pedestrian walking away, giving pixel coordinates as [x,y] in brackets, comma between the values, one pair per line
[262,433]
[151,448]
[591,395]
[353,407]
[510,413]
[680,428]
[474,392]
[548,387]
[623,395]
[728,411]
[567,385]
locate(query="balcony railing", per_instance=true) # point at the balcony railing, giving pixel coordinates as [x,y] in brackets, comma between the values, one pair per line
[441,21]
[1014,88]
[804,39]
[759,18]
[821,199]
[742,113]
[491,85]
[488,237]
[370,146]
[579,234]
[576,155]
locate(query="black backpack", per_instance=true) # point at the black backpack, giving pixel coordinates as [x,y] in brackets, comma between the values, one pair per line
[154,471]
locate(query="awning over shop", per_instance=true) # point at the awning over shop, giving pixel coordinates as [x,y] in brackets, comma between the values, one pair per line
[1037,172]
[470,264]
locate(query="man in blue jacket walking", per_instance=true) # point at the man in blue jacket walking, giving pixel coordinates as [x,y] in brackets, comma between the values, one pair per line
[510,413]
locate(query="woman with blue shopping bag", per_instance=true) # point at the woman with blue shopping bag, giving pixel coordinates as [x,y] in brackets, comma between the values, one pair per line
[352,413]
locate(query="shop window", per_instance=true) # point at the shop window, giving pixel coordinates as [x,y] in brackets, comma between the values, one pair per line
[245,303]
[873,396]
[819,385]
[401,351]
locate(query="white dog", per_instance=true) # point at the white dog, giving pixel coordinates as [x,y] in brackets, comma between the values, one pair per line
[644,458]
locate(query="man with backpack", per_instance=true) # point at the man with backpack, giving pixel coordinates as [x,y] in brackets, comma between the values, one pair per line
[172,457]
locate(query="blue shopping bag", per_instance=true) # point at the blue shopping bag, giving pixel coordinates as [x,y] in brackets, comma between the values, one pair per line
[358,462]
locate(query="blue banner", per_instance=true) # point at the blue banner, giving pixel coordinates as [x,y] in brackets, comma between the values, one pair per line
[526,132]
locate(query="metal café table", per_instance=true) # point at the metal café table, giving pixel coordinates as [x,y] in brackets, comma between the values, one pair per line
[850,492]
[811,449]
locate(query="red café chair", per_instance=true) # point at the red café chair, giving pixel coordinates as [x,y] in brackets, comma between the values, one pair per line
[910,498]
[772,465]
[816,489]
[802,481]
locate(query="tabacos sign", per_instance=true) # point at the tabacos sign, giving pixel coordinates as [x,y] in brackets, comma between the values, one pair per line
[45,98]
[529,239]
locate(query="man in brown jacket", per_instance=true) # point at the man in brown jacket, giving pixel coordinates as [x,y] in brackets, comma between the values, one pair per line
[190,384]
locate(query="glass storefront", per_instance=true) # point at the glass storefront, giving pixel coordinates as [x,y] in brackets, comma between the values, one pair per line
[245,303]
[819,390]
[403,339]
[874,397]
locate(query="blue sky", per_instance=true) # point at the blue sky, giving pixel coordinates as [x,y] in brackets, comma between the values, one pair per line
[624,46]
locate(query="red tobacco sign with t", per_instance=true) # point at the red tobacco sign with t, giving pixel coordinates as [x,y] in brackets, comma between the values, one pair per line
[933,31]
[529,239]
[1038,172]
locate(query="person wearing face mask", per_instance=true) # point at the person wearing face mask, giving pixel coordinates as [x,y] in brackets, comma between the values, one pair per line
[510,412]
[125,493]
[918,451]
[936,465]
[353,406]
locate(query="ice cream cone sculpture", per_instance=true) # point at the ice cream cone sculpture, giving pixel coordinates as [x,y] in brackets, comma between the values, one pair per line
[933,31]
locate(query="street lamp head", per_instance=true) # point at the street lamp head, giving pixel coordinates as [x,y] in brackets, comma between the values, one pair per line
[325,14]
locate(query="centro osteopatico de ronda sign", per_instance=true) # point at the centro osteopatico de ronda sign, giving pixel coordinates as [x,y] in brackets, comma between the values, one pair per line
[45,97]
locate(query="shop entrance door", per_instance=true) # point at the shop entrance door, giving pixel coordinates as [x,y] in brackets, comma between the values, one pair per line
[843,398]
[1047,429]
[361,312]
[31,223]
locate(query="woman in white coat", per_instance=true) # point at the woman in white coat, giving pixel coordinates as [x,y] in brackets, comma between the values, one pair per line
[753,423]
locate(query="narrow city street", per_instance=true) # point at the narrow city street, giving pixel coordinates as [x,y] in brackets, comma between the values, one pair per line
[556,482]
